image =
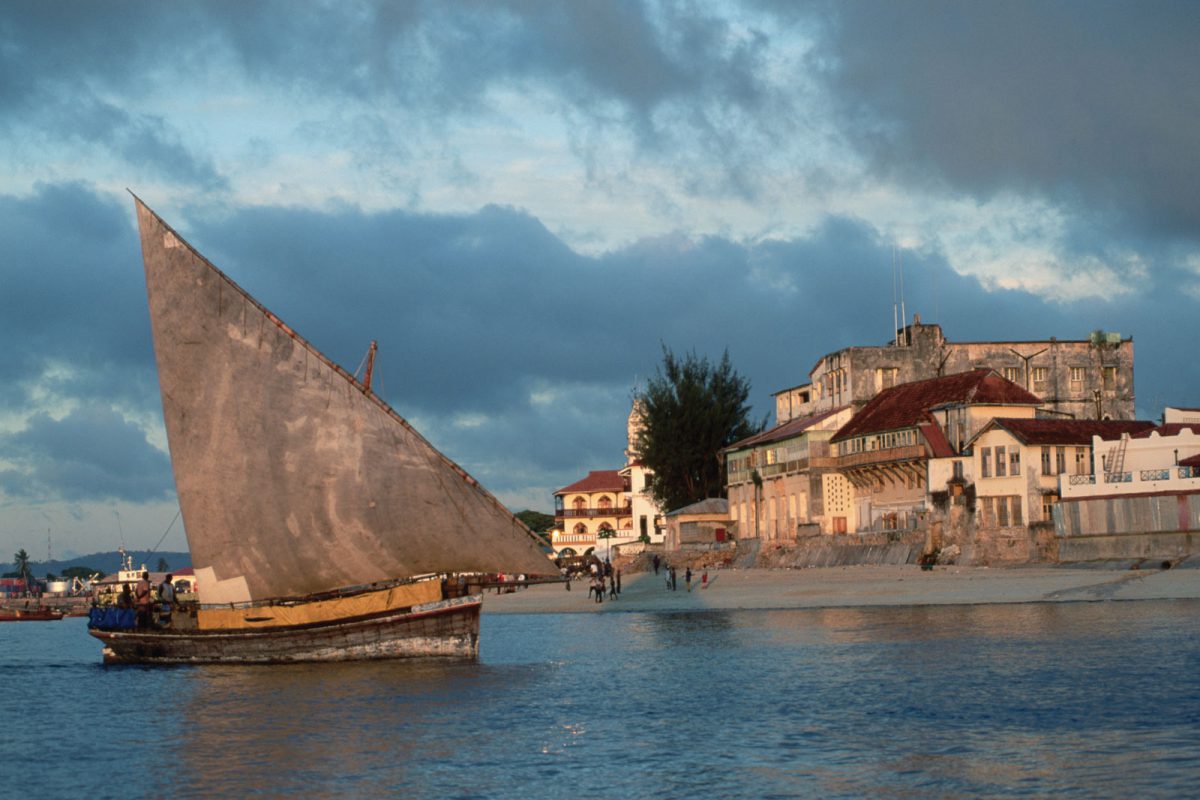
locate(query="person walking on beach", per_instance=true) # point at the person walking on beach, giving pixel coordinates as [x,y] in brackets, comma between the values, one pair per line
[674,584]
[704,579]
[612,587]
[598,585]
[618,581]
[687,578]
[655,562]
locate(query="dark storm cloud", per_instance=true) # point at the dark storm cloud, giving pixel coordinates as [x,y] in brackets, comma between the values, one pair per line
[1094,105]
[516,354]
[72,308]
[680,81]
[93,453]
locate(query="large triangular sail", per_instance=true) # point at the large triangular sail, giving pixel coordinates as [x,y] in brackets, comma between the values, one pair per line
[292,478]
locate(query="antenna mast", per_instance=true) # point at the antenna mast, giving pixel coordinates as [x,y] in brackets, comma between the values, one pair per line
[903,313]
[895,320]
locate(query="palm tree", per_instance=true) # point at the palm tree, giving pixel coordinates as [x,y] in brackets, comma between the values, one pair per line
[21,562]
[606,533]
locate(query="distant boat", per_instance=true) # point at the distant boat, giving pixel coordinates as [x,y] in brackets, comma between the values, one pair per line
[322,525]
[35,614]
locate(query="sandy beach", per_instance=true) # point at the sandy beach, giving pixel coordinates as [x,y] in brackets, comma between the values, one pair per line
[833,587]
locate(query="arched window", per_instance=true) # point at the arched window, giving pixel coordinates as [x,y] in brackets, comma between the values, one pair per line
[580,528]
[579,504]
[605,503]
[604,526]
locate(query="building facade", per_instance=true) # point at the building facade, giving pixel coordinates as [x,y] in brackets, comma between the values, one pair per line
[778,481]
[1017,465]
[886,450]
[1084,379]
[608,510]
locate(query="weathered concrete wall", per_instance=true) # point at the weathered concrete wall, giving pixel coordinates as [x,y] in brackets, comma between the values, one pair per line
[1163,546]
[1114,515]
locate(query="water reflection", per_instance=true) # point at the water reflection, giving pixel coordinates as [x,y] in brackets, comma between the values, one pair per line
[1081,700]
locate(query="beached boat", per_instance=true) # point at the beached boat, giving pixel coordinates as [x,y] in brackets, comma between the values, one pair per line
[321,524]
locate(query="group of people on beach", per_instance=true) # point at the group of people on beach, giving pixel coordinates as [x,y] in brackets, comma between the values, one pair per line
[600,574]
[141,599]
[673,578]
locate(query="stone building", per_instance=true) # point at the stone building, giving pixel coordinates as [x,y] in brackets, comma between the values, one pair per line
[886,449]
[782,480]
[1017,465]
[1085,379]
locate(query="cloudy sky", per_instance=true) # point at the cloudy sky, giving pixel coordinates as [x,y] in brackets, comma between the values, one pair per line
[524,201]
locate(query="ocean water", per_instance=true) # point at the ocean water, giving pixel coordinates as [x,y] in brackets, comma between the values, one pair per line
[1065,700]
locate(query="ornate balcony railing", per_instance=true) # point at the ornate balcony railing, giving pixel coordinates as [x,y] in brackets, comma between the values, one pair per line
[1118,477]
[623,511]
[1154,475]
[1082,480]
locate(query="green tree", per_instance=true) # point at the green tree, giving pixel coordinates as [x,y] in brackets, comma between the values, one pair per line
[21,564]
[691,410]
[536,521]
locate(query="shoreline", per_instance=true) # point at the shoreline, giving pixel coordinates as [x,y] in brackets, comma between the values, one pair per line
[733,589]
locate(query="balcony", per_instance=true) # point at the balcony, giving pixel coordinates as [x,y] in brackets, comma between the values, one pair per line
[1142,481]
[889,455]
[591,513]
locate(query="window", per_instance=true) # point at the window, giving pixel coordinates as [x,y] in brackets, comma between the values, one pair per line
[1014,462]
[1039,380]
[605,503]
[1015,501]
[580,528]
[1046,466]
[988,509]
[885,377]
[1002,512]
[958,470]
[985,462]
[1012,374]
[1048,503]
[1060,458]
[1076,379]
[1000,463]
[1110,379]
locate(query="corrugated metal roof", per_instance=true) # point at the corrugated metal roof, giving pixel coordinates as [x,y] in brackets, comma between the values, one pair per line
[905,406]
[792,427]
[711,505]
[1069,431]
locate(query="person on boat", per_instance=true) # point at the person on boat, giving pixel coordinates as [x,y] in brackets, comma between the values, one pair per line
[166,599]
[126,598]
[142,600]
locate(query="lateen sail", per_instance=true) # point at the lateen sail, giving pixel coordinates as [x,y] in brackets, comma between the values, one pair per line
[292,479]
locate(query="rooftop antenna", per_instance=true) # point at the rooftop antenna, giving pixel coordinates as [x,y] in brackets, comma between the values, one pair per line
[895,308]
[903,313]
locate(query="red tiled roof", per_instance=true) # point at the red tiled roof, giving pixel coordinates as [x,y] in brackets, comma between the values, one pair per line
[1190,461]
[1070,431]
[938,444]
[905,406]
[792,427]
[1170,429]
[600,480]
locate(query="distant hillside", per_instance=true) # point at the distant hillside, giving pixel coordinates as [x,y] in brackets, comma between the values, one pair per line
[107,562]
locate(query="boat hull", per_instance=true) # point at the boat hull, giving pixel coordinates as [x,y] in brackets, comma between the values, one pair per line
[442,629]
[29,615]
